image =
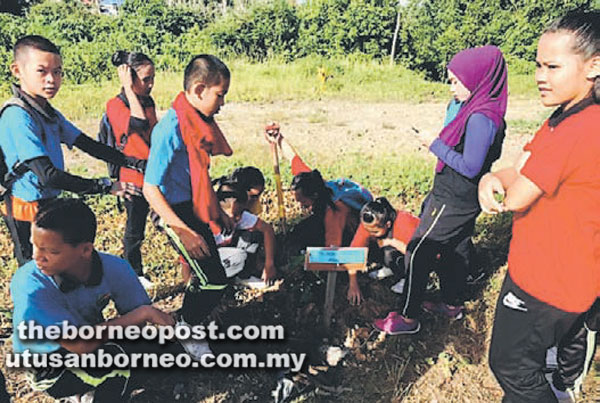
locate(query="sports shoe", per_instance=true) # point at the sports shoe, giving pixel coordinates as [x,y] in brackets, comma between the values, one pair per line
[398,288]
[449,311]
[381,273]
[251,282]
[395,324]
[195,348]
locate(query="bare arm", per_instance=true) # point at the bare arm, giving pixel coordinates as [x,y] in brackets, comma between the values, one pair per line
[269,237]
[135,106]
[520,192]
[137,317]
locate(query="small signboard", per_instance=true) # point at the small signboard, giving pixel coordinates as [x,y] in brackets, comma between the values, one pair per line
[335,259]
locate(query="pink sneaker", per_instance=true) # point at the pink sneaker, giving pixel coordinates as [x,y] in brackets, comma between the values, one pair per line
[456,312]
[395,324]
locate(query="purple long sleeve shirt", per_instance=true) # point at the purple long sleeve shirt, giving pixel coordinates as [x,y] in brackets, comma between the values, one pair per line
[479,136]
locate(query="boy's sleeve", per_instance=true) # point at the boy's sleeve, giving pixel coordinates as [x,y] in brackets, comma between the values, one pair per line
[68,132]
[26,133]
[161,154]
[405,226]
[361,237]
[127,291]
[548,162]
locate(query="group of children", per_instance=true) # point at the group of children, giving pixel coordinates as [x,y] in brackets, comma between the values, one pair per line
[549,290]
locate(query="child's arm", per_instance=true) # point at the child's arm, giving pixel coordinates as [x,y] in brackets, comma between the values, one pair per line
[394,243]
[193,242]
[354,295]
[137,317]
[108,154]
[269,271]
[520,192]
[126,80]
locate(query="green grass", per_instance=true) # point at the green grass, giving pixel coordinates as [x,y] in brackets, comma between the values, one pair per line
[272,81]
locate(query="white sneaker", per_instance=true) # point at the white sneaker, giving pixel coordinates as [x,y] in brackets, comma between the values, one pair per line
[195,348]
[147,284]
[251,282]
[381,273]
[398,288]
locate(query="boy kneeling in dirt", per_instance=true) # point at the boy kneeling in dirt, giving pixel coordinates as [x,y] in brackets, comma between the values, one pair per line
[69,281]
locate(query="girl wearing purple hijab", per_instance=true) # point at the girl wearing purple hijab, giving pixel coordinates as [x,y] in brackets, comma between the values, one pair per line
[466,149]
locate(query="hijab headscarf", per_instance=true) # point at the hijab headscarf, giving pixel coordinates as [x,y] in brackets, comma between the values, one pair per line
[482,71]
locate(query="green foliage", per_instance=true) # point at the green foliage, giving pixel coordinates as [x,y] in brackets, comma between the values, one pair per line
[434,30]
[267,29]
[338,27]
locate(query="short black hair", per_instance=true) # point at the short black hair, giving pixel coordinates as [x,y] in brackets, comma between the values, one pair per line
[71,218]
[248,177]
[132,59]
[34,42]
[208,69]
[378,212]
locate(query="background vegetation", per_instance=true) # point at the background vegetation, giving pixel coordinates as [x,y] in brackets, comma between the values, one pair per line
[430,31]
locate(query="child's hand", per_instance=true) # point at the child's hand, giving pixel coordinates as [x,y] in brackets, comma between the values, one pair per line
[227,223]
[268,274]
[424,139]
[272,133]
[193,243]
[354,294]
[125,76]
[490,187]
[125,189]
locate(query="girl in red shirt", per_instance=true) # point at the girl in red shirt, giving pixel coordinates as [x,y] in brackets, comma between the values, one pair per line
[132,116]
[554,192]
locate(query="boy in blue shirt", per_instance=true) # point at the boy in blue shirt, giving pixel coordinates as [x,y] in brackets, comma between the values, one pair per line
[177,183]
[68,280]
[31,133]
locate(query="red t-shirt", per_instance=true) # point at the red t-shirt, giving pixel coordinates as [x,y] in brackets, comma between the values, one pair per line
[555,248]
[404,226]
[138,142]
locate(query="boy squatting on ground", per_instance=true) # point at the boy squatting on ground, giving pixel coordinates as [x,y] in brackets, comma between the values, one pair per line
[31,133]
[249,232]
[68,280]
[177,183]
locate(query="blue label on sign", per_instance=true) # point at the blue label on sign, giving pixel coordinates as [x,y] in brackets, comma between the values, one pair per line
[337,256]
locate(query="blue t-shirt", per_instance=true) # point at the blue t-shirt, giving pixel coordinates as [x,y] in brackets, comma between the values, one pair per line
[39,297]
[452,110]
[21,140]
[168,164]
